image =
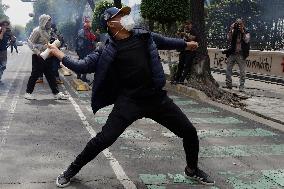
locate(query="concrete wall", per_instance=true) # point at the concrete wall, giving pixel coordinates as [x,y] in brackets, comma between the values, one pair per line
[261,62]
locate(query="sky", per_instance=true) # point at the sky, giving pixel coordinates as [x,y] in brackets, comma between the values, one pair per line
[18,11]
[132,2]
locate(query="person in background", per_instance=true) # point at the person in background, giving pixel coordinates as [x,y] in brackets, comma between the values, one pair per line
[38,41]
[55,34]
[5,35]
[186,57]
[239,38]
[85,44]
[13,44]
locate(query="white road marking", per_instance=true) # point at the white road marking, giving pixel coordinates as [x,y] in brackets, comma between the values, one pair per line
[11,111]
[118,170]
[6,91]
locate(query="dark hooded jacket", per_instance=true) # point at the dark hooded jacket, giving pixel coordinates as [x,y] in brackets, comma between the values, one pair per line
[106,86]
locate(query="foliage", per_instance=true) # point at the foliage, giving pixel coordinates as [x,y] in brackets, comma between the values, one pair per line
[3,8]
[165,11]
[99,10]
[29,27]
[66,28]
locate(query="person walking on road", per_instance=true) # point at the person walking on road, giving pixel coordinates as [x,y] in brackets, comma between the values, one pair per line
[239,39]
[5,34]
[129,75]
[13,44]
[38,41]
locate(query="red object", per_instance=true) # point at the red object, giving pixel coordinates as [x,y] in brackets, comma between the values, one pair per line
[89,35]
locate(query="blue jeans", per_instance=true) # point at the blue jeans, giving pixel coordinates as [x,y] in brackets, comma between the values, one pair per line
[232,60]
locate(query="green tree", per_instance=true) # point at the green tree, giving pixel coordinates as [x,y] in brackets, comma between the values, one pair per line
[29,28]
[3,8]
[165,12]
[66,28]
[100,8]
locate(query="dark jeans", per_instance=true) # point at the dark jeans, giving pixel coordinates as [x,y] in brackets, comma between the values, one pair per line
[83,77]
[15,46]
[163,111]
[40,67]
[55,67]
[185,62]
[3,62]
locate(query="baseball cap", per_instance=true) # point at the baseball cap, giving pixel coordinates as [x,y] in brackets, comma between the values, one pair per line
[111,13]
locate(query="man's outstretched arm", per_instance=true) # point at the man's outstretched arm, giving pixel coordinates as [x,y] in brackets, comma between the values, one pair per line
[86,65]
[167,43]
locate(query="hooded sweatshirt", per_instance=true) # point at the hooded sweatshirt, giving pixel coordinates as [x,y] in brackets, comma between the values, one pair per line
[40,35]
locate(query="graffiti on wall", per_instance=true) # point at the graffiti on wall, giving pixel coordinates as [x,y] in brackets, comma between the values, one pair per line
[260,63]
[220,61]
[263,63]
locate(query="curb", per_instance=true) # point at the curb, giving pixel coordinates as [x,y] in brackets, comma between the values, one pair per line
[264,116]
[187,91]
[250,114]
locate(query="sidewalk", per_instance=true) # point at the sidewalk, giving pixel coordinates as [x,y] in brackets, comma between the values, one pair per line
[265,99]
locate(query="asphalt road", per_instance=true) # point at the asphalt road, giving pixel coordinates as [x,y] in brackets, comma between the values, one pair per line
[39,139]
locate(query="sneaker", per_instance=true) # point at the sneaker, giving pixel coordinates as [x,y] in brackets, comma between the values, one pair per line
[29,96]
[61,96]
[62,181]
[64,178]
[199,175]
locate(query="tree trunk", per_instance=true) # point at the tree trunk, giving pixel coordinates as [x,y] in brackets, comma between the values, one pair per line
[92,4]
[117,3]
[79,21]
[200,70]
[200,76]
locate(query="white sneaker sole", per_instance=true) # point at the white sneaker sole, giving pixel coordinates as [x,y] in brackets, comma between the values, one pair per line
[61,185]
[30,98]
[201,182]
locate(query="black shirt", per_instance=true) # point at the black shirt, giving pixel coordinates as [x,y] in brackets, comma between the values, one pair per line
[132,66]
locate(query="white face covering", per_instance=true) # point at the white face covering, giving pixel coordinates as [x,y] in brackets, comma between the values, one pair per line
[127,22]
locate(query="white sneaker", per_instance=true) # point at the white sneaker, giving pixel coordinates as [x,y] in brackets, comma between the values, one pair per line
[61,96]
[29,96]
